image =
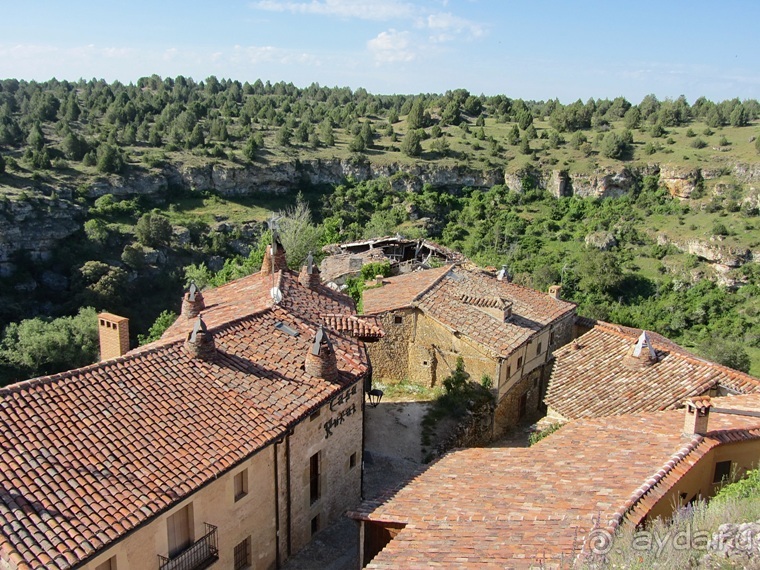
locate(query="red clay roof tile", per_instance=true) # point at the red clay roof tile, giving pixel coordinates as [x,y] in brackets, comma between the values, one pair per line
[76,445]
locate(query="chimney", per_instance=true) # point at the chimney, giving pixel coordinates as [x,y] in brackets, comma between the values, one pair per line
[200,343]
[554,292]
[697,415]
[320,360]
[503,274]
[274,257]
[192,302]
[309,276]
[113,331]
[642,353]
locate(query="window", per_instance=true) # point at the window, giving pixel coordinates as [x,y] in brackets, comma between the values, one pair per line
[522,405]
[109,564]
[397,320]
[314,477]
[243,554]
[314,525]
[539,347]
[241,484]
[180,530]
[519,361]
[551,338]
[352,461]
[509,370]
[722,471]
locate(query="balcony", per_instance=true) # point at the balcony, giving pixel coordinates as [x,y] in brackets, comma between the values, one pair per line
[199,555]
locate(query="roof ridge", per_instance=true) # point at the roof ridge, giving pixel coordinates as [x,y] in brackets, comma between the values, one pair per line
[17,387]
[435,282]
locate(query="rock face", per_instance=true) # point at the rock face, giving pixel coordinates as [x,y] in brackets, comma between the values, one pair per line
[602,184]
[679,182]
[252,179]
[34,226]
[716,253]
[734,545]
[601,240]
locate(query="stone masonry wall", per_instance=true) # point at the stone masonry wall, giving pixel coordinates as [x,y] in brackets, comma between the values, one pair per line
[335,434]
[390,355]
[434,352]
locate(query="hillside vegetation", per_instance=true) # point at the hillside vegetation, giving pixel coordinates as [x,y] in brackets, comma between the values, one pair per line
[113,196]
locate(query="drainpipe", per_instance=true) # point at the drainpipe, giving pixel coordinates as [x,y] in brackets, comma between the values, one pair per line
[276,510]
[287,489]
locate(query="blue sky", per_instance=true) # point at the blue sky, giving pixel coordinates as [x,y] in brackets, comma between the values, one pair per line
[530,49]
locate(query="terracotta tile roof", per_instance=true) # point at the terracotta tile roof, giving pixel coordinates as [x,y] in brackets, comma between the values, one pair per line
[90,454]
[595,376]
[455,297]
[400,291]
[534,507]
[364,327]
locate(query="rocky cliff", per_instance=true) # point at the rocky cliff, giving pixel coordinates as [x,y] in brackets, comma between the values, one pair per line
[34,225]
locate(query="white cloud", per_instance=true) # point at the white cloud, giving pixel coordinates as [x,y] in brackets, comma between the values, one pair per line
[447,22]
[391,47]
[361,9]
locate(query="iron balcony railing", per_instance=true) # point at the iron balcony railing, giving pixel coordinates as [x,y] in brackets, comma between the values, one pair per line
[199,555]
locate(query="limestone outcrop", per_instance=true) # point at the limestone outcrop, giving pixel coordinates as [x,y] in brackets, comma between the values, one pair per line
[33,226]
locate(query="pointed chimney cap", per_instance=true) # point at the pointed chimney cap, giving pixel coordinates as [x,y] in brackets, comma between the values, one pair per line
[192,291]
[644,348]
[199,327]
[320,339]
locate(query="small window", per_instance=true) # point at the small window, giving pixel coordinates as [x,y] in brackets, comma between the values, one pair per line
[109,564]
[509,370]
[519,361]
[314,490]
[722,471]
[241,484]
[352,461]
[539,347]
[551,338]
[535,382]
[315,525]
[424,363]
[397,320]
[243,554]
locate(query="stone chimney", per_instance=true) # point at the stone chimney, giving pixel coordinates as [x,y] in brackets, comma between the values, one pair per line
[200,343]
[697,415]
[274,257]
[113,331]
[320,360]
[555,291]
[192,302]
[642,353]
[309,276]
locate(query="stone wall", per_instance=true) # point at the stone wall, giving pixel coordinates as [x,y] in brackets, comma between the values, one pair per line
[335,434]
[434,352]
[474,430]
[390,355]
[507,412]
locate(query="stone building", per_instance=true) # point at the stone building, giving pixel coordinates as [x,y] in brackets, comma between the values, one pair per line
[404,255]
[549,505]
[501,330]
[611,369]
[233,439]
